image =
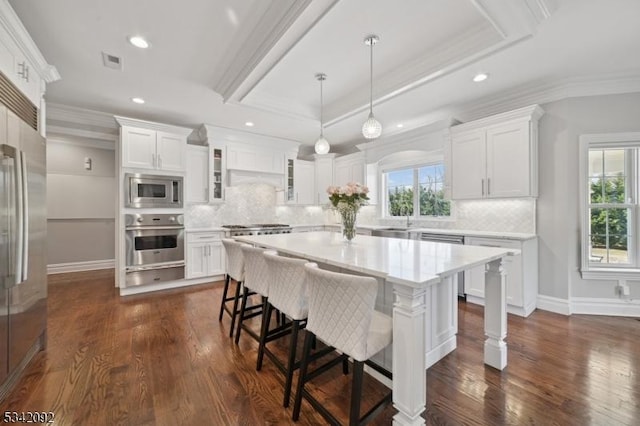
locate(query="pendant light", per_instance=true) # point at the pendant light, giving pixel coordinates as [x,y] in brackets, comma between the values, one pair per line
[322,145]
[371,128]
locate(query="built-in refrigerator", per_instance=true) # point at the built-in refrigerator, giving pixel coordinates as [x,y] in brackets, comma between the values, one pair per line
[23,279]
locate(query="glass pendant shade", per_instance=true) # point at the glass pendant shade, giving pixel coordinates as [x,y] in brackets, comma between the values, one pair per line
[322,146]
[371,128]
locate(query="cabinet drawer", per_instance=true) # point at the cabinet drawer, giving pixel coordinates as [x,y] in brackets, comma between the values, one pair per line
[204,237]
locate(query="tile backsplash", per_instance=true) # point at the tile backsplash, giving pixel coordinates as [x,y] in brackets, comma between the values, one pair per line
[517,215]
[258,203]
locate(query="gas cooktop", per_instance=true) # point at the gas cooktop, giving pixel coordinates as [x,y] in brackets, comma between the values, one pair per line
[258,229]
[257,226]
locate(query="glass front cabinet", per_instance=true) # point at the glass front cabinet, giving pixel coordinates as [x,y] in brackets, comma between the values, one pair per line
[217,172]
[290,194]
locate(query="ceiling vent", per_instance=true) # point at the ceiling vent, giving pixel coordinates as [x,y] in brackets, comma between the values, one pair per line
[112,61]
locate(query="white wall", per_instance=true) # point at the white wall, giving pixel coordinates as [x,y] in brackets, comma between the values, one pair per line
[80,208]
[558,216]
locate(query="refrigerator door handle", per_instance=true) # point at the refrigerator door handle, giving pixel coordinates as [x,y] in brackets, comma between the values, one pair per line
[25,217]
[15,258]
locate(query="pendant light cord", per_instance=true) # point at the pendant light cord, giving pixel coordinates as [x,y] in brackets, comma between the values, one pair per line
[321,103]
[371,78]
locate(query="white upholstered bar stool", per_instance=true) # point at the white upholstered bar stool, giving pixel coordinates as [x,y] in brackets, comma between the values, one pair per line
[288,294]
[235,272]
[342,314]
[256,281]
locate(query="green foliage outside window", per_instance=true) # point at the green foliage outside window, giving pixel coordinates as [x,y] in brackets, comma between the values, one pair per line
[609,190]
[432,202]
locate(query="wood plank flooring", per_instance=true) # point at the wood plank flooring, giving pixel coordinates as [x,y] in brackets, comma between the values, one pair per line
[164,359]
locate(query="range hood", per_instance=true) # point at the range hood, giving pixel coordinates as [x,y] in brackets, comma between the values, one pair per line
[243,177]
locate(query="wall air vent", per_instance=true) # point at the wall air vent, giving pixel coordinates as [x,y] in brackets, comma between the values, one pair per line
[18,103]
[112,61]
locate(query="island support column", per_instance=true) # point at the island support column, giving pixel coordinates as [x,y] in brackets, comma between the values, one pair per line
[409,347]
[495,315]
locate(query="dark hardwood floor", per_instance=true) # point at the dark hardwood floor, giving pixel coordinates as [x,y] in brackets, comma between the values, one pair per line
[164,359]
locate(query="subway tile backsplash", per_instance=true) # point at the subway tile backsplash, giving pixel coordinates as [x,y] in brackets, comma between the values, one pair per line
[258,203]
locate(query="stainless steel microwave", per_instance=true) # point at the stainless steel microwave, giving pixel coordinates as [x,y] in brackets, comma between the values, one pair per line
[143,190]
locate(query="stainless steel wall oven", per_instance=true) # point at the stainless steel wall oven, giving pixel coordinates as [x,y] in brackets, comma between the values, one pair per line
[143,190]
[154,248]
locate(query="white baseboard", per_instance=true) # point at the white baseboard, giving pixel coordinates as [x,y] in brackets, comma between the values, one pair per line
[613,307]
[554,304]
[440,351]
[60,268]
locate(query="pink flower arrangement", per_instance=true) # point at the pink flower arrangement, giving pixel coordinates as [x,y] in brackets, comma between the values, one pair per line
[349,197]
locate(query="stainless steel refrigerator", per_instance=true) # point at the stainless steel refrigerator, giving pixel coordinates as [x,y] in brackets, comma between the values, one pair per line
[23,279]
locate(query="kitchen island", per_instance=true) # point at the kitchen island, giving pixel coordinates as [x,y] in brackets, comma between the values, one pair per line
[410,268]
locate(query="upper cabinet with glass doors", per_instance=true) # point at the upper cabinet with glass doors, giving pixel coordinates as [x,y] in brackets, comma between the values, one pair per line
[496,157]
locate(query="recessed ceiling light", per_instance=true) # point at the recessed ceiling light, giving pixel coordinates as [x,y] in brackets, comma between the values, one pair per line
[137,100]
[249,124]
[480,77]
[400,126]
[138,41]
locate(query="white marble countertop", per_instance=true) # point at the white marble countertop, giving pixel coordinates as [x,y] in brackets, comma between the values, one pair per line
[489,234]
[410,262]
[467,232]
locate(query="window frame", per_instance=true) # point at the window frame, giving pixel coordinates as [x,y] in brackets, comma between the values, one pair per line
[592,270]
[416,183]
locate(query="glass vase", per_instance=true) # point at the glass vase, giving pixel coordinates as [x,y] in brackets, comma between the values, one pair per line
[348,223]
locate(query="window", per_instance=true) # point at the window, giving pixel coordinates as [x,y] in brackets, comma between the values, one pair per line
[402,198]
[609,197]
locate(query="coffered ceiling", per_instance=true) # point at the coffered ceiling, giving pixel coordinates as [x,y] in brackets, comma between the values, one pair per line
[226,62]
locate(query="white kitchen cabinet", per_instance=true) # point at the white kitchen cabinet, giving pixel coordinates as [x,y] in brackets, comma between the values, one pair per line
[521,274]
[323,177]
[349,168]
[15,65]
[496,157]
[300,182]
[204,174]
[22,63]
[205,254]
[144,148]
[197,174]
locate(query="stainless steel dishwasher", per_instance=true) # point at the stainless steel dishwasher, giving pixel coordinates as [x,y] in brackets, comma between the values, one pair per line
[450,239]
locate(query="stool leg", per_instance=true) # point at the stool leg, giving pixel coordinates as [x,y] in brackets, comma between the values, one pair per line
[234,313]
[264,330]
[291,361]
[224,296]
[302,374]
[243,307]
[356,392]
[345,366]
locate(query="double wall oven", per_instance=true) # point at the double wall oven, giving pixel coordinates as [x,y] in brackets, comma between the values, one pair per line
[154,245]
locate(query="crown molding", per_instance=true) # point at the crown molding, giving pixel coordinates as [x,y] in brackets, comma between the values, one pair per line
[304,23]
[546,92]
[70,114]
[207,132]
[529,113]
[20,36]
[278,16]
[133,122]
